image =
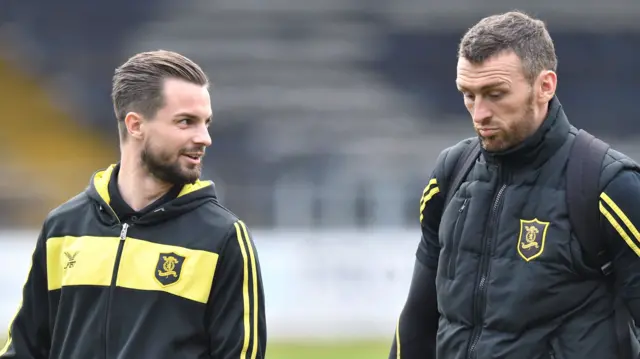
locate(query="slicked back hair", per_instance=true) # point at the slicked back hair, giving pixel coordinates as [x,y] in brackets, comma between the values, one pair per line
[138,83]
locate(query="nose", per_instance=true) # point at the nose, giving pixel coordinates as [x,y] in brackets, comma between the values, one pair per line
[480,111]
[202,138]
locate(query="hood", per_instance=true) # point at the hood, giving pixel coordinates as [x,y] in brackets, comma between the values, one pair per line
[190,197]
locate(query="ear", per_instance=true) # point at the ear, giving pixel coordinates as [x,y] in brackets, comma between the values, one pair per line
[547,84]
[135,125]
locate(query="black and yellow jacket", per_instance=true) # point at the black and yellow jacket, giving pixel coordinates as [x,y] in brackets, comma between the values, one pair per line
[499,272]
[182,281]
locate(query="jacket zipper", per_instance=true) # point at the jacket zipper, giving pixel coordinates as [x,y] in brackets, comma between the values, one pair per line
[123,237]
[456,241]
[481,286]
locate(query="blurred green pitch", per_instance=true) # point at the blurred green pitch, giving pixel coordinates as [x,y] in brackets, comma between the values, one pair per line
[372,349]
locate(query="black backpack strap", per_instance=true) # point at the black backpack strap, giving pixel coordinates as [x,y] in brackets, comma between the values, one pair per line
[460,171]
[583,192]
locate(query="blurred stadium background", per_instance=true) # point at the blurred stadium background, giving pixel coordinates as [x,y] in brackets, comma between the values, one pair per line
[328,114]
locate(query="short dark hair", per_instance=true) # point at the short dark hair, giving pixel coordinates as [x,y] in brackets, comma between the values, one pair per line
[138,83]
[511,31]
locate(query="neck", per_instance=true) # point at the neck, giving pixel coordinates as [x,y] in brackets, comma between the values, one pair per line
[137,187]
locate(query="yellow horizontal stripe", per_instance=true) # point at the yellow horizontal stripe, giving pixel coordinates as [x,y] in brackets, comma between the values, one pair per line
[614,223]
[73,261]
[142,268]
[80,261]
[627,222]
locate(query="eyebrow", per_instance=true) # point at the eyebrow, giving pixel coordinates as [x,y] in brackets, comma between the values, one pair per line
[191,116]
[486,87]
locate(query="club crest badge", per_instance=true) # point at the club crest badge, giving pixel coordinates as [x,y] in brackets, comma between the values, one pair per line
[532,237]
[169,268]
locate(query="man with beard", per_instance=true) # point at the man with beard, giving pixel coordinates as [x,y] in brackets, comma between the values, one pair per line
[503,269]
[146,263]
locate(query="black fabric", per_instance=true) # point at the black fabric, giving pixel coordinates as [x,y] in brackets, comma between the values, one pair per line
[583,190]
[418,339]
[462,168]
[99,288]
[497,296]
[122,208]
[583,175]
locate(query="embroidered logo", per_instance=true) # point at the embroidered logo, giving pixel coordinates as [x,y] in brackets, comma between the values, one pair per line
[71,259]
[532,237]
[168,268]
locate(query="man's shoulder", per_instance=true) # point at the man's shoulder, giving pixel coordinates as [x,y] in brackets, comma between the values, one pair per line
[615,163]
[70,209]
[219,218]
[448,157]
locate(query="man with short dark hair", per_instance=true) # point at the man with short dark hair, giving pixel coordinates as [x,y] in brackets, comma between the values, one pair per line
[146,263]
[502,270]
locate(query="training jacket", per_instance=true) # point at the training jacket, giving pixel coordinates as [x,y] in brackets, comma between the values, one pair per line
[499,272]
[182,281]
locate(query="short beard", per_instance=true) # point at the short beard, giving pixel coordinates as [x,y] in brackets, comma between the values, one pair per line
[160,167]
[524,128]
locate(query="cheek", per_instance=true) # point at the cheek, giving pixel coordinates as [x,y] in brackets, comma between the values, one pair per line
[161,150]
[510,114]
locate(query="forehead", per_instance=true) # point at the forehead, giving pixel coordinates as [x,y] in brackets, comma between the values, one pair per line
[183,96]
[501,68]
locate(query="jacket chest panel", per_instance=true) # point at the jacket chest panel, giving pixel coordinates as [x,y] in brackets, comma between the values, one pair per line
[514,216]
[127,262]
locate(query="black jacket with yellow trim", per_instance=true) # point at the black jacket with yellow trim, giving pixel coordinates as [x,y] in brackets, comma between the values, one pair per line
[481,290]
[183,281]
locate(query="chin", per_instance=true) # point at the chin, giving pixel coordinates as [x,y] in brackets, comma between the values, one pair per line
[494,145]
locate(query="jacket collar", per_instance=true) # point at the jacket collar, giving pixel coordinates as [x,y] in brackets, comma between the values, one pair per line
[539,147]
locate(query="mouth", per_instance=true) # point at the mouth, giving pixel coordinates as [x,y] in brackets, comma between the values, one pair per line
[193,157]
[488,132]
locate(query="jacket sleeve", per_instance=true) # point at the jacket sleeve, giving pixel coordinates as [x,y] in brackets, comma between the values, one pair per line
[417,326]
[29,331]
[620,220]
[237,325]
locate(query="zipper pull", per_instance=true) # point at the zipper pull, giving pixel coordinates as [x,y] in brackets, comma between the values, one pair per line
[123,233]
[464,205]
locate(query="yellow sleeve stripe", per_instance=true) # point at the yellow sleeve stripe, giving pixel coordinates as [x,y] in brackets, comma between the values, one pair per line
[429,191]
[627,222]
[432,183]
[398,339]
[614,223]
[250,326]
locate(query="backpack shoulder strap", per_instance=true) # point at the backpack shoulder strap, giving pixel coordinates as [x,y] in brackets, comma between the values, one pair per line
[462,167]
[582,191]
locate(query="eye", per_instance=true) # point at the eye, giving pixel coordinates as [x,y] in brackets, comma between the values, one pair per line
[468,95]
[495,95]
[184,121]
